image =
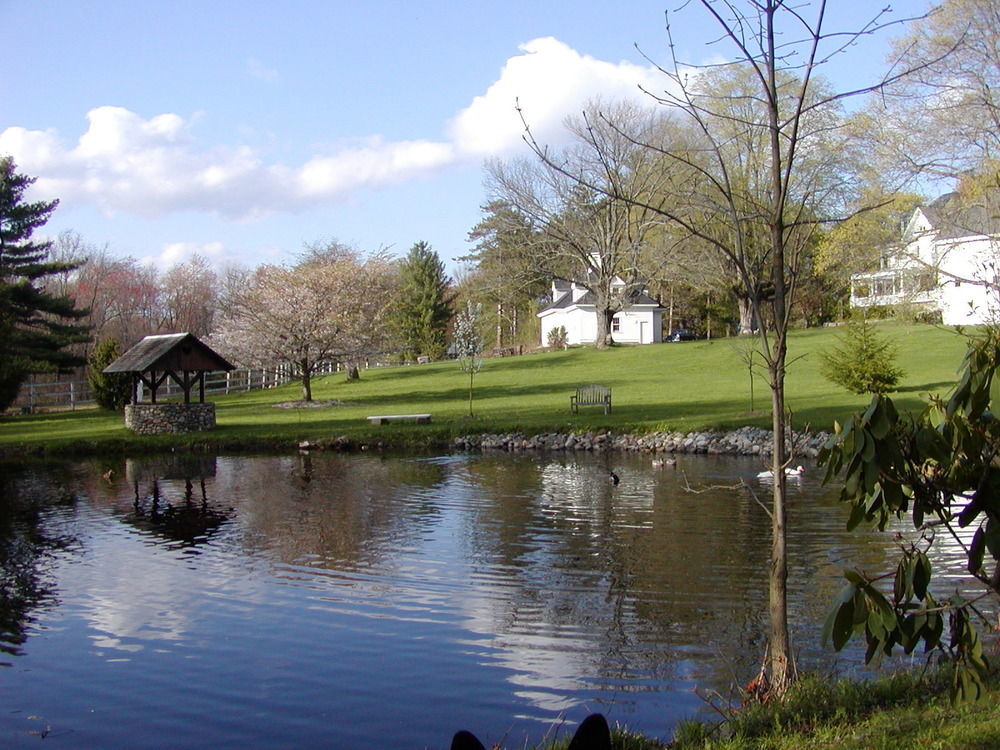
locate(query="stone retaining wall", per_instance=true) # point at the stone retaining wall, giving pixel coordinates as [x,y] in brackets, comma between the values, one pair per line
[745,441]
[169,419]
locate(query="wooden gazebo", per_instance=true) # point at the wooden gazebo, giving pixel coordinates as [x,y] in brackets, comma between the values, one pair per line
[182,358]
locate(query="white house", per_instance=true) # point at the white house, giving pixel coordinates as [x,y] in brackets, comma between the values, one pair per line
[573,307]
[946,248]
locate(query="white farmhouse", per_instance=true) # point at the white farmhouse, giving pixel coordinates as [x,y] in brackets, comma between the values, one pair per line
[572,307]
[947,252]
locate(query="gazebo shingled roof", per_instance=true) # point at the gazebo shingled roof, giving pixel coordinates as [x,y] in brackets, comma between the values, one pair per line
[175,355]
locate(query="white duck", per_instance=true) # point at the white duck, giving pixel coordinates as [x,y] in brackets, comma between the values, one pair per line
[789,472]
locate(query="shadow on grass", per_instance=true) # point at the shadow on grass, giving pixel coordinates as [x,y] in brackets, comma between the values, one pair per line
[941,388]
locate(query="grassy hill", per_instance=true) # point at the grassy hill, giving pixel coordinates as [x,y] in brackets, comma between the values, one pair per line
[684,386]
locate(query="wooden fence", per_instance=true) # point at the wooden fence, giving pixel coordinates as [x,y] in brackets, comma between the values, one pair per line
[42,393]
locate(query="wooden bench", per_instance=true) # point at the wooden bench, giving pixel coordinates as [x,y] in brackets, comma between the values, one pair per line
[591,395]
[386,418]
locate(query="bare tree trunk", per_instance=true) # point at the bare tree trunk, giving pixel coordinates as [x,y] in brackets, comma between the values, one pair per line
[748,317]
[779,644]
[604,338]
[499,324]
[670,312]
[305,367]
[780,647]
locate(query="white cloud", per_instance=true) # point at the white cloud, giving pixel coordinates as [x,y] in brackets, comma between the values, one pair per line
[175,253]
[151,167]
[549,82]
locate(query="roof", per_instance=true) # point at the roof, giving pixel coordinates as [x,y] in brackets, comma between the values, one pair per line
[955,217]
[170,351]
[565,301]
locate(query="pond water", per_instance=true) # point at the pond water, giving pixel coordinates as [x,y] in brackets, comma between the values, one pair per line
[364,601]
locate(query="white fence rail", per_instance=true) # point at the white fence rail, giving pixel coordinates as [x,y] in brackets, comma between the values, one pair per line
[38,393]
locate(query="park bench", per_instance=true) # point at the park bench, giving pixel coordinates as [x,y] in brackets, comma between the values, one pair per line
[591,395]
[506,351]
[386,418]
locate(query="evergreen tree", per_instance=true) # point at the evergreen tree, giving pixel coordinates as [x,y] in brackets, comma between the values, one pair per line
[35,325]
[863,363]
[424,307]
[110,390]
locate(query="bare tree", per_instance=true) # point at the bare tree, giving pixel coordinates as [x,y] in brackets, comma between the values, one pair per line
[764,178]
[189,295]
[121,295]
[943,120]
[589,205]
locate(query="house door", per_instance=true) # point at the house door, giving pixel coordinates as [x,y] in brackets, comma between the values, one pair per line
[642,332]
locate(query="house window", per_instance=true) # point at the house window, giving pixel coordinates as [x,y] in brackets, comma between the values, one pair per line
[616,325]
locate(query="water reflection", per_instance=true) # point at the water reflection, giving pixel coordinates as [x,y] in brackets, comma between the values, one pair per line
[379,601]
[185,516]
[26,549]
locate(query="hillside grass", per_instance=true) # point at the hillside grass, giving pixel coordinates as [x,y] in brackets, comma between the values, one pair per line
[684,386]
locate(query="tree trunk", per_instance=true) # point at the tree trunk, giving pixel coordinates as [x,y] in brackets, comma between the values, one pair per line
[782,671]
[306,374]
[670,314]
[779,645]
[499,324]
[604,339]
[472,374]
[748,317]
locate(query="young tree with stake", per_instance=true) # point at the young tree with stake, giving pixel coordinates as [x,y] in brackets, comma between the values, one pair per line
[469,343]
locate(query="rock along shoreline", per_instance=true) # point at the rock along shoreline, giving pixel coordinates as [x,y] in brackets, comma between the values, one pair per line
[744,441]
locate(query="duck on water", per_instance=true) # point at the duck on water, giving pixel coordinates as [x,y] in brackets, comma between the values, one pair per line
[789,472]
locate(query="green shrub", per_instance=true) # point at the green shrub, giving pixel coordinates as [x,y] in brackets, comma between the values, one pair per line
[112,390]
[863,361]
[558,337]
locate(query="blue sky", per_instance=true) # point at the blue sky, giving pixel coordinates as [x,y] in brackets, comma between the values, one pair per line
[241,130]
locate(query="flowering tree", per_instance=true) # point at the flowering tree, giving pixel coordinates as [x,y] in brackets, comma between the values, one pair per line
[329,307]
[468,342]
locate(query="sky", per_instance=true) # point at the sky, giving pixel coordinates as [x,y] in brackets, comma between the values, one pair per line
[242,130]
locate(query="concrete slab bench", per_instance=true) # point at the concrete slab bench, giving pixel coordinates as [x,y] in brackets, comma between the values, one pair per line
[386,418]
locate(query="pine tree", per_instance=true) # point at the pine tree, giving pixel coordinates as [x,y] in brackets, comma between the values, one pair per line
[863,363]
[35,326]
[424,307]
[110,390]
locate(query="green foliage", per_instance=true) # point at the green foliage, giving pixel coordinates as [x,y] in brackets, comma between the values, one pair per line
[863,361]
[558,337]
[110,390]
[938,469]
[424,308]
[35,326]
[505,274]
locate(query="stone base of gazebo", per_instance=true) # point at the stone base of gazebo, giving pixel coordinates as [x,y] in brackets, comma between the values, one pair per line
[166,419]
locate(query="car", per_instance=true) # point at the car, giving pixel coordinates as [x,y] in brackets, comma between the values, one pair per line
[682,334]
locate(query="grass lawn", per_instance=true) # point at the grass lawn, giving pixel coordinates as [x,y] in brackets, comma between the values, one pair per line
[684,386]
[897,711]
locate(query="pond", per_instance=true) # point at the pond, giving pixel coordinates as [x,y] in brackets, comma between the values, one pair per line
[353,601]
